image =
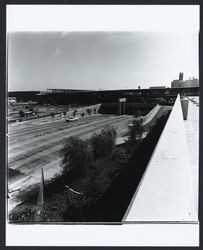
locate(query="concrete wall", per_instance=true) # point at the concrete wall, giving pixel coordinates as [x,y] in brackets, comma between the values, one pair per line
[130,108]
[146,119]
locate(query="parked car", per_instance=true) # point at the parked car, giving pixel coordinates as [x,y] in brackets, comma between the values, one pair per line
[72,119]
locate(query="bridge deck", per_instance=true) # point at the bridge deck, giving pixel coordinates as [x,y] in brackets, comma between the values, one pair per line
[168,190]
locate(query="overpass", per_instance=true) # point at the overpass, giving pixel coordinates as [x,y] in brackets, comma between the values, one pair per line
[168,190]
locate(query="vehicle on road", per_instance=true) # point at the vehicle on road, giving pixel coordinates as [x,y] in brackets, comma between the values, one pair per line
[72,119]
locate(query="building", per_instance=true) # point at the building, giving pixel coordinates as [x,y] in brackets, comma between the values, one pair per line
[157,87]
[180,83]
[12,100]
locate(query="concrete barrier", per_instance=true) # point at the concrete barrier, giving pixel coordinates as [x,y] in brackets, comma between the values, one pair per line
[146,119]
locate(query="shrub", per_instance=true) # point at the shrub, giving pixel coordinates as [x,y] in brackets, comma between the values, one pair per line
[75,112]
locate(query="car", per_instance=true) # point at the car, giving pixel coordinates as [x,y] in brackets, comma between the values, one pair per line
[72,119]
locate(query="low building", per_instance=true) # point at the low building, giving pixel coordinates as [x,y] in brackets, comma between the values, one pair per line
[157,87]
[180,83]
[12,100]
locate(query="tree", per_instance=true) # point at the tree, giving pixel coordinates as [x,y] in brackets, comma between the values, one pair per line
[64,114]
[75,155]
[75,112]
[110,132]
[21,113]
[103,144]
[135,131]
[82,114]
[52,116]
[138,113]
[89,111]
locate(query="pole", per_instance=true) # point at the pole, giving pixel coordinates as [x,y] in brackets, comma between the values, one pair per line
[42,187]
[40,199]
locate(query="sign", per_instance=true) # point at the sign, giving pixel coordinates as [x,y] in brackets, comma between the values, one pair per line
[122,99]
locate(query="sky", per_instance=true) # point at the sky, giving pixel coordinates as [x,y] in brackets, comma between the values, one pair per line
[77,58]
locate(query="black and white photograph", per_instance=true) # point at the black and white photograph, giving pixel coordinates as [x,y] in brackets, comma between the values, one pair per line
[102,121]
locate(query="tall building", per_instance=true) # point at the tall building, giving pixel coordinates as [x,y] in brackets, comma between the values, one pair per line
[181,76]
[180,83]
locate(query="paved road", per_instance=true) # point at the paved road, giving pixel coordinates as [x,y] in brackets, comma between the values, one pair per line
[45,123]
[33,129]
[31,146]
[40,146]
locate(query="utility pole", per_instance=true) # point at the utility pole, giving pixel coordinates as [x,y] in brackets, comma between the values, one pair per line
[134,105]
